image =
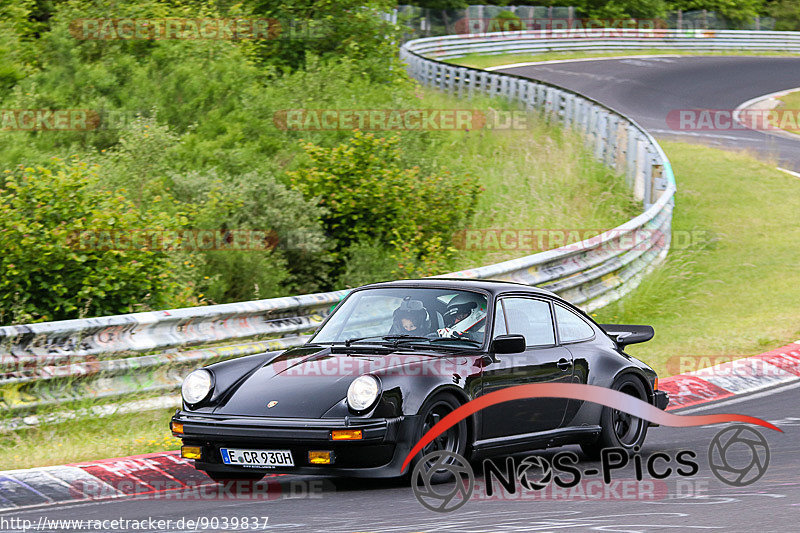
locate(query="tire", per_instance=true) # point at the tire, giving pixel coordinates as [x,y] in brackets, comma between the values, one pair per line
[224,477]
[453,440]
[619,429]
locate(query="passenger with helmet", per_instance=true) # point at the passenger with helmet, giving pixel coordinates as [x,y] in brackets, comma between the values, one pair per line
[410,318]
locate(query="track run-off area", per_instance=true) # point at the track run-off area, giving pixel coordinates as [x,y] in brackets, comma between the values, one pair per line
[647,90]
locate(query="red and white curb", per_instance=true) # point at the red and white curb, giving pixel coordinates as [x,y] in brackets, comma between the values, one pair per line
[161,475]
[741,376]
[165,475]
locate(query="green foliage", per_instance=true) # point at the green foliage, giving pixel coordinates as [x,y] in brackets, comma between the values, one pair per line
[16,53]
[53,225]
[786,13]
[296,254]
[621,9]
[188,139]
[142,165]
[736,11]
[340,29]
[506,21]
[370,196]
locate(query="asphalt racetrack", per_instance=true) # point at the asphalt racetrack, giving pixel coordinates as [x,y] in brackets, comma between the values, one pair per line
[697,503]
[646,89]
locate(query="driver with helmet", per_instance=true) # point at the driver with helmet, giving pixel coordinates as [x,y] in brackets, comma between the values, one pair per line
[465,317]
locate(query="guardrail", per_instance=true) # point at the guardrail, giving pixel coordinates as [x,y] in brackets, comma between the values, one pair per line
[596,271]
[113,357]
[553,40]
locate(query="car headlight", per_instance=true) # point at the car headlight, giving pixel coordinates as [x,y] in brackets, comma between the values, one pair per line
[197,386]
[363,392]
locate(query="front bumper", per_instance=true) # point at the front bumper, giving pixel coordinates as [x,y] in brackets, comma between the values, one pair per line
[380,453]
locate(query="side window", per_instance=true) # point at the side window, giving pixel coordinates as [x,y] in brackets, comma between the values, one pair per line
[531,318]
[571,327]
[499,320]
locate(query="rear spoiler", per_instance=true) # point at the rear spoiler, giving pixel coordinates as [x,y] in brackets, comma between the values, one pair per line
[624,334]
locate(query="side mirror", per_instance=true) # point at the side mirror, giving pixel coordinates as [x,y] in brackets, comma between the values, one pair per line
[508,344]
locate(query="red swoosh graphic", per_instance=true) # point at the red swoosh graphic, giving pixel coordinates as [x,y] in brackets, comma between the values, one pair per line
[576,391]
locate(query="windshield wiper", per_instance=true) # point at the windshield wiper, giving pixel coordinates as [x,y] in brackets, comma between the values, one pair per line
[404,338]
[348,342]
[396,338]
[457,339]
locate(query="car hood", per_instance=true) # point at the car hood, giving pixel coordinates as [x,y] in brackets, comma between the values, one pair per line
[305,382]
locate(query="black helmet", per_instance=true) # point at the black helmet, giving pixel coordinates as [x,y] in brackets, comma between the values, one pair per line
[412,310]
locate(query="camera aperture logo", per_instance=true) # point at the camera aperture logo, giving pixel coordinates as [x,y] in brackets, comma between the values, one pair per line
[726,452]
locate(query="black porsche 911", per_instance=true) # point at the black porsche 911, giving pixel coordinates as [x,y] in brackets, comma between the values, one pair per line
[391,361]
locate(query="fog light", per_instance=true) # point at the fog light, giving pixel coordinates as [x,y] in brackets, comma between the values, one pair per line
[191,452]
[177,427]
[320,457]
[346,434]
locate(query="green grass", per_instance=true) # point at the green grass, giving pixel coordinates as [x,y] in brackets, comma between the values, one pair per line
[484,61]
[738,294]
[88,439]
[533,178]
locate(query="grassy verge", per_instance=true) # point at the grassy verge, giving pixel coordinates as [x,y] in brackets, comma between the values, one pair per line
[88,439]
[485,61]
[534,178]
[735,294]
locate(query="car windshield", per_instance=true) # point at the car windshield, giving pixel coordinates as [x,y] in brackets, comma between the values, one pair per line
[439,317]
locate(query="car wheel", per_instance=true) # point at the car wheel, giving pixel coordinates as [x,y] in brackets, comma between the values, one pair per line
[453,440]
[619,429]
[224,477]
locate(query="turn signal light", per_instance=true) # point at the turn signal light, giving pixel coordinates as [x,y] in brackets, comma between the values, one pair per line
[346,434]
[177,427]
[655,384]
[191,452]
[320,457]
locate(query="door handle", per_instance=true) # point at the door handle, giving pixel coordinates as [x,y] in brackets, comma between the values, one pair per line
[564,364]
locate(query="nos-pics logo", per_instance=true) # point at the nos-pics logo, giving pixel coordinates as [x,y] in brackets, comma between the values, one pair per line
[738,455]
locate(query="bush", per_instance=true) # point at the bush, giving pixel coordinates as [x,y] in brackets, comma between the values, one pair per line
[787,15]
[506,21]
[296,260]
[370,197]
[141,165]
[53,265]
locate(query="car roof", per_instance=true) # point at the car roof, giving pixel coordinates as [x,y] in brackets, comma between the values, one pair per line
[493,286]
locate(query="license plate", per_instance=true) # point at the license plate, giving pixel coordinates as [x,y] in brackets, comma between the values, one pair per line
[238,456]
